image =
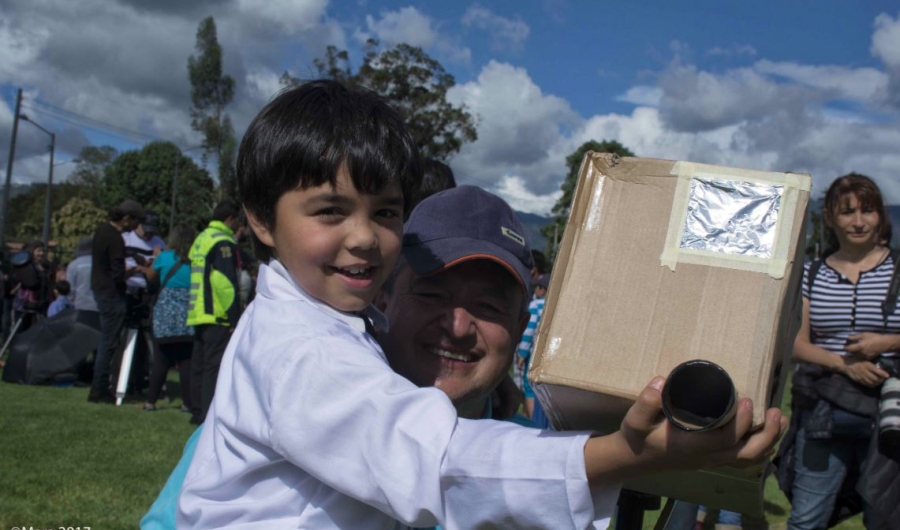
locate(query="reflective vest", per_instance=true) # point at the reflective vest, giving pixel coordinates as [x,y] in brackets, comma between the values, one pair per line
[212,293]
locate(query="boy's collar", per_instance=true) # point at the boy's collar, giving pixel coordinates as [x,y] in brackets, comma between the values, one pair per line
[276,282]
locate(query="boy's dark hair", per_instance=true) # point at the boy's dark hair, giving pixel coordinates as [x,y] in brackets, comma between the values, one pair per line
[437,177]
[226,209]
[302,137]
[63,287]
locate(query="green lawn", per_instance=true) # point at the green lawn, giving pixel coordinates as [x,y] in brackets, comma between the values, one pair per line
[67,462]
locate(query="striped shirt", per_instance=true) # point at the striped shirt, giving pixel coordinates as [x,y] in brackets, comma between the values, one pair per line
[536,308]
[839,308]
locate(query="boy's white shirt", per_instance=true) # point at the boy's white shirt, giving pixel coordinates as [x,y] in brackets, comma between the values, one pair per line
[310,428]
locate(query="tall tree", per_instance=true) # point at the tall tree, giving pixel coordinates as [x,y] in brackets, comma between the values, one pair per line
[415,84]
[77,218]
[27,209]
[90,165]
[147,176]
[211,92]
[560,213]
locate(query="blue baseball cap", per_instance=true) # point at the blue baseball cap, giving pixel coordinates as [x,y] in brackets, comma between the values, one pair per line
[464,223]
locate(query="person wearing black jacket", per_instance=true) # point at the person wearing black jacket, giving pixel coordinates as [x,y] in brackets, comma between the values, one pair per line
[108,275]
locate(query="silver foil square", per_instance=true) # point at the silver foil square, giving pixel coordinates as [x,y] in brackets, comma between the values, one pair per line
[732,217]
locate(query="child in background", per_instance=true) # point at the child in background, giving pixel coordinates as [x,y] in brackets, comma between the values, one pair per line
[310,427]
[61,301]
[526,346]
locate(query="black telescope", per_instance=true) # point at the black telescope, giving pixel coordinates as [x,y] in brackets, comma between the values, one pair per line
[698,396]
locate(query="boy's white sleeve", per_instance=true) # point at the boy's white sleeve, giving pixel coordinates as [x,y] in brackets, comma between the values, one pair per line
[338,412]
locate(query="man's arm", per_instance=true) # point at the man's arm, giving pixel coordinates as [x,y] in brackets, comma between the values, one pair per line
[115,249]
[223,258]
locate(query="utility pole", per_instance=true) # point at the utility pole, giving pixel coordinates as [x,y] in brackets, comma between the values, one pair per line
[9,167]
[48,204]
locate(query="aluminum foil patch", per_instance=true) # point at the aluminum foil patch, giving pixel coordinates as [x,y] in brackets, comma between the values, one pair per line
[732,217]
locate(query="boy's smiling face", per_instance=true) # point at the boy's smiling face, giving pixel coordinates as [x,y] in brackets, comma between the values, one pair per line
[338,244]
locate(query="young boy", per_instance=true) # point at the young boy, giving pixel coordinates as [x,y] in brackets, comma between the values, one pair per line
[61,298]
[310,428]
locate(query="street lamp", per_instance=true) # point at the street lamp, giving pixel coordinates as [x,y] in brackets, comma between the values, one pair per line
[47,203]
[175,185]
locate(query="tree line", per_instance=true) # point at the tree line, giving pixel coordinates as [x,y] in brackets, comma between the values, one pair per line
[415,84]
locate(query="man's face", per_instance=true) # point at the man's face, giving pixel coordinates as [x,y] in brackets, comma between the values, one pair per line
[130,223]
[456,329]
[143,233]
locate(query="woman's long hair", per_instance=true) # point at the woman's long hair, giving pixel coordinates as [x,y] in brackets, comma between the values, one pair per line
[181,238]
[869,196]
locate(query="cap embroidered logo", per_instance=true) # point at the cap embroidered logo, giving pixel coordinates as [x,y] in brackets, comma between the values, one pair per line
[512,235]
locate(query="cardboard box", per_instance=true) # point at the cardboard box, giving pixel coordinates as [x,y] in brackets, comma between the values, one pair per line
[636,291]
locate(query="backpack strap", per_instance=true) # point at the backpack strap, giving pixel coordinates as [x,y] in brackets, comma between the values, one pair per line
[172,272]
[811,275]
[889,306]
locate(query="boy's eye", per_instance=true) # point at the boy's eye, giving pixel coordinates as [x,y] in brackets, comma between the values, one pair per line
[329,212]
[388,214]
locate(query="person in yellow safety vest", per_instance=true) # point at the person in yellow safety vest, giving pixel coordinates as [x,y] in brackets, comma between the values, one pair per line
[215,305]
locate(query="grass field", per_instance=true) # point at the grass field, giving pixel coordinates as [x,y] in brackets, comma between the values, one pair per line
[65,462]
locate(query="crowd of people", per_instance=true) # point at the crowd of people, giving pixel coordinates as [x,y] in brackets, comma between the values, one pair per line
[390,307]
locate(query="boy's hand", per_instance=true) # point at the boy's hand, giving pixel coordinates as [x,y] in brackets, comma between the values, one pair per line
[647,443]
[651,437]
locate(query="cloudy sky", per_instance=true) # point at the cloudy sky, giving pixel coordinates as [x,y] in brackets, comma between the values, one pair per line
[776,85]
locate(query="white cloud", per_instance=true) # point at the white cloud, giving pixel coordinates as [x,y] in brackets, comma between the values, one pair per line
[695,100]
[643,95]
[733,50]
[506,33]
[407,25]
[886,46]
[860,84]
[512,188]
[519,127]
[291,16]
[886,40]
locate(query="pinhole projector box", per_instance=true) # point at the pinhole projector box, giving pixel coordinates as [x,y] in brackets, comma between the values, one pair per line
[664,262]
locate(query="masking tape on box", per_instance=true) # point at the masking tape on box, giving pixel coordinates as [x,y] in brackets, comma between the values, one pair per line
[593,219]
[775,266]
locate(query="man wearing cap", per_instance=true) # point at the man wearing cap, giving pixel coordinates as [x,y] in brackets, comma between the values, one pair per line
[456,302]
[108,276]
[142,245]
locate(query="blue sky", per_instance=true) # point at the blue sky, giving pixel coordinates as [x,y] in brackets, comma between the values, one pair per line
[782,86]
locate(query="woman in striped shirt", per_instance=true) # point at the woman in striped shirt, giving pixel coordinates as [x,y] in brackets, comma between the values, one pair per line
[844,331]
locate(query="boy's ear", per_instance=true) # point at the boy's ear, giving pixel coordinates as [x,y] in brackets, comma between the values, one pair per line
[260,229]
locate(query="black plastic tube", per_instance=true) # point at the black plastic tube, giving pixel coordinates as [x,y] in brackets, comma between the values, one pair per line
[698,396]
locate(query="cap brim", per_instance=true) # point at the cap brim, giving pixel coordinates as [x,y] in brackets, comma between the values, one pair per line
[429,258]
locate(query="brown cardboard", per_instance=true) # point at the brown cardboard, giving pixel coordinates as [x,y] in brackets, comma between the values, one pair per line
[615,316]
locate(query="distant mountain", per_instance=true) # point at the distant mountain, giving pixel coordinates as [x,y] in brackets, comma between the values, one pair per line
[533,224]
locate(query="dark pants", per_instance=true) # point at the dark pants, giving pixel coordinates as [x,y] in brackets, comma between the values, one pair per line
[165,356]
[822,465]
[112,322]
[209,346]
